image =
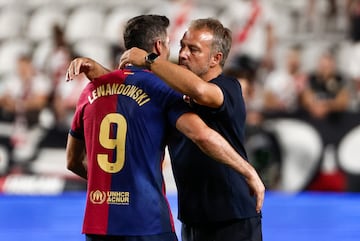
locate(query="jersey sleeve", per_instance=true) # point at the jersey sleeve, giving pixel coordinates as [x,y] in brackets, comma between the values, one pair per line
[77,127]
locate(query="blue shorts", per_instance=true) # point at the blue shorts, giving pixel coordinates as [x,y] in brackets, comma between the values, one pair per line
[249,229]
[157,237]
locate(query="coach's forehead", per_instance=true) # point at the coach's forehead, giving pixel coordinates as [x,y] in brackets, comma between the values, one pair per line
[198,35]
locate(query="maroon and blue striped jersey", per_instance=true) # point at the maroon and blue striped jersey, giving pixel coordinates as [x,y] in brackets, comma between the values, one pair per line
[124,118]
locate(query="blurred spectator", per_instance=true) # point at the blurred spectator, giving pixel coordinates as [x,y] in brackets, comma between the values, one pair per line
[253,30]
[353,54]
[261,144]
[353,9]
[65,98]
[327,18]
[64,95]
[59,57]
[283,86]
[352,68]
[327,91]
[25,95]
[355,91]
[244,68]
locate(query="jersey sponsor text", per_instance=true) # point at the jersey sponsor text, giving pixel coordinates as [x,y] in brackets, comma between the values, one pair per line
[111,197]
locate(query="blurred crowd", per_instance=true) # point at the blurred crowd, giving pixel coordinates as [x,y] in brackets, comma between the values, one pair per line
[294,59]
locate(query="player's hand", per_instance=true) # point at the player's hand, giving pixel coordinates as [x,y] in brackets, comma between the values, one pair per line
[88,66]
[257,189]
[134,56]
[79,65]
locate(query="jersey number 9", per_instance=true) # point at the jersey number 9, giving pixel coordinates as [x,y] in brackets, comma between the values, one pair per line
[116,144]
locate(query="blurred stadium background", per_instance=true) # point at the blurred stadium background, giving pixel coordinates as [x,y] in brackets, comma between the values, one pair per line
[311,166]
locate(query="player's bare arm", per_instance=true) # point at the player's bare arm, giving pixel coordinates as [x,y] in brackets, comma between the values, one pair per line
[214,145]
[179,78]
[88,66]
[76,156]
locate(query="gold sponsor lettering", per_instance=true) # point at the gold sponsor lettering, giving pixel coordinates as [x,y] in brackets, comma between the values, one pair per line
[111,197]
[119,198]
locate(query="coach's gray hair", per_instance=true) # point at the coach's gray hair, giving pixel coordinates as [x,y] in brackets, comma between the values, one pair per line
[222,36]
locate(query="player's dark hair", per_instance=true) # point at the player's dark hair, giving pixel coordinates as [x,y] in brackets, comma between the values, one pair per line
[142,31]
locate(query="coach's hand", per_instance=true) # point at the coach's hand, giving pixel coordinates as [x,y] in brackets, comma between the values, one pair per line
[257,189]
[134,56]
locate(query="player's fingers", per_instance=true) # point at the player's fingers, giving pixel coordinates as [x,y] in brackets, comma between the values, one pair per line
[70,72]
[67,76]
[77,66]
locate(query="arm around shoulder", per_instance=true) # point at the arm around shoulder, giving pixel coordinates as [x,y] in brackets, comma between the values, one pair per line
[215,146]
[188,83]
[177,77]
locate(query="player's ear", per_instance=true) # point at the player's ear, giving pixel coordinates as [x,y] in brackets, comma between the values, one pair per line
[158,47]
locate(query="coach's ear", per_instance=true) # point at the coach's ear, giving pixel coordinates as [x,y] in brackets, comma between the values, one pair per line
[216,59]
